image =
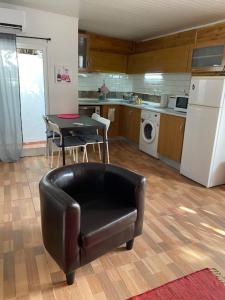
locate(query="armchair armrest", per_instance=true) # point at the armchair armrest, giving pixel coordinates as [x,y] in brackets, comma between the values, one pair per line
[130,187]
[60,218]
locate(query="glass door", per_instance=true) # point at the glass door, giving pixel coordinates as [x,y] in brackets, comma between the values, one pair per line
[32,94]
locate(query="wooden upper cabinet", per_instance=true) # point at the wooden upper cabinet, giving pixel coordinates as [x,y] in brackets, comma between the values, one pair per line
[208,56]
[107,62]
[171,135]
[83,52]
[174,59]
[140,62]
[109,44]
[211,34]
[185,38]
[209,51]
[98,53]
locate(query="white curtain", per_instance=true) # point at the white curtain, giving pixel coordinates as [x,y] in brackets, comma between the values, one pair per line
[10,115]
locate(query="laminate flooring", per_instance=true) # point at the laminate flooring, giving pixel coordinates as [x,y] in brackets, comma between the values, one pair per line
[184,231]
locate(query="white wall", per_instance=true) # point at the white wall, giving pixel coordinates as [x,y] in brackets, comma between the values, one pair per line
[62,50]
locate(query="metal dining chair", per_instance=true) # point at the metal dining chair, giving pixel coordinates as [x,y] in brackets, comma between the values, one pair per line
[49,136]
[70,142]
[95,138]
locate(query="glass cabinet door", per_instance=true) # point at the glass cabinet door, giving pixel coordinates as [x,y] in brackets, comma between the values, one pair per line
[207,57]
[82,52]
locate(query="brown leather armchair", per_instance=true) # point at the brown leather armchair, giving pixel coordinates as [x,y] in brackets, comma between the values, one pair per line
[88,209]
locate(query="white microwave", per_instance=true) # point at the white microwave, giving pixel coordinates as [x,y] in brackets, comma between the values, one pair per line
[181,103]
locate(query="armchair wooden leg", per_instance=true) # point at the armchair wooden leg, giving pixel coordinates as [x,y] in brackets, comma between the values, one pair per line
[70,277]
[130,244]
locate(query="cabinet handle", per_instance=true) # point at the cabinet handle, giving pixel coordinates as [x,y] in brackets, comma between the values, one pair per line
[181,127]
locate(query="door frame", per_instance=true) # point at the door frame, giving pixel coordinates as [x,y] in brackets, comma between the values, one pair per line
[45,68]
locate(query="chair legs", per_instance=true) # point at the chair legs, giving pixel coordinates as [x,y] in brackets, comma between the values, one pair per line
[70,277]
[99,152]
[85,156]
[74,153]
[77,155]
[107,150]
[129,244]
[58,157]
[46,148]
[51,163]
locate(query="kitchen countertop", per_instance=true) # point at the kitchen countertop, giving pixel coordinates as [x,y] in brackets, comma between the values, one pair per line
[152,106]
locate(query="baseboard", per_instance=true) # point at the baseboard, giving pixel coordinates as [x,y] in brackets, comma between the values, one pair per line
[170,162]
[33,152]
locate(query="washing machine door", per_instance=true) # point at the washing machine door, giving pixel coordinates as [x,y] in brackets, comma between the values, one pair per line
[148,131]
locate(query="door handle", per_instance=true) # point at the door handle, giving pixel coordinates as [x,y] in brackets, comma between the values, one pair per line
[181,127]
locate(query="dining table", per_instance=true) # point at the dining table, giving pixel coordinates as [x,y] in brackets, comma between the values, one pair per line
[83,123]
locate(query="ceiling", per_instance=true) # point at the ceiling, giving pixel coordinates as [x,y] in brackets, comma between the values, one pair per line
[140,19]
[134,19]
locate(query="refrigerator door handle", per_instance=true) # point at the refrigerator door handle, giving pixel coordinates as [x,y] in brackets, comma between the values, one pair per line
[193,86]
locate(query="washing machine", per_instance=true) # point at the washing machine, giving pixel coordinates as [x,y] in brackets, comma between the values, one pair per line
[149,132]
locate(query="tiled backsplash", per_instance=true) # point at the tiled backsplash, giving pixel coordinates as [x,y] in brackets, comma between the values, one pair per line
[114,82]
[149,84]
[165,83]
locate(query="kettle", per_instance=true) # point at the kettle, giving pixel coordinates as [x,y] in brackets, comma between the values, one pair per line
[163,101]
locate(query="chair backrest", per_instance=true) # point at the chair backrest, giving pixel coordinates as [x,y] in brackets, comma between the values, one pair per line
[54,128]
[102,120]
[46,121]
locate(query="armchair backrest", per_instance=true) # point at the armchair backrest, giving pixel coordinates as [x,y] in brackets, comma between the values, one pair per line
[60,220]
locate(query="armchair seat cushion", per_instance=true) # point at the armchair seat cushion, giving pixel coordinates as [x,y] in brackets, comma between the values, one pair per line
[101,219]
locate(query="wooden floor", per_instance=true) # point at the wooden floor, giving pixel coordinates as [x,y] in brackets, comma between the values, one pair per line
[184,231]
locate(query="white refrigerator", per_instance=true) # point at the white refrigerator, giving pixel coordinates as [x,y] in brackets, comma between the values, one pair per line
[203,156]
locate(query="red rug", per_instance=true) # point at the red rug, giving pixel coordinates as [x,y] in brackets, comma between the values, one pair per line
[201,285]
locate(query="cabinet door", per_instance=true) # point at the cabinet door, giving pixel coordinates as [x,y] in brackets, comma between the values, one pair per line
[107,62]
[114,125]
[174,59]
[130,119]
[83,48]
[208,57]
[171,135]
[141,63]
[135,125]
[124,122]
